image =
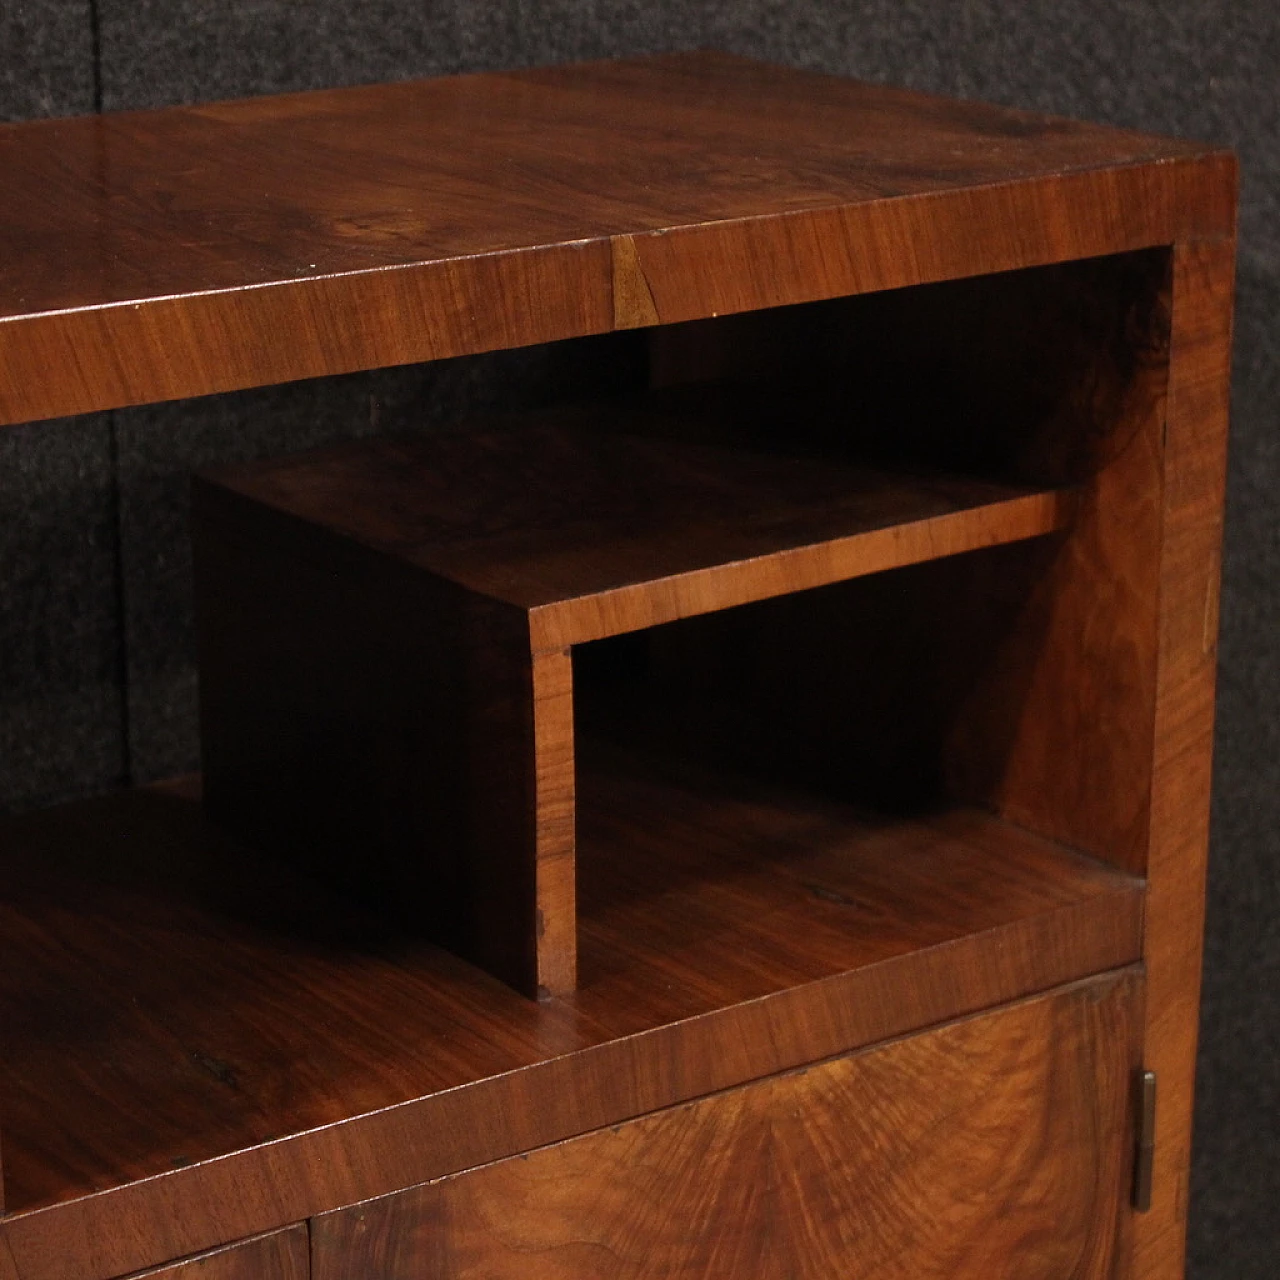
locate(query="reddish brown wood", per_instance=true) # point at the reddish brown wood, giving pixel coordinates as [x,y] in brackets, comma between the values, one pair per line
[1192,498]
[200,1045]
[672,851]
[377,725]
[198,1048]
[1008,1154]
[386,689]
[283,1255]
[1056,731]
[1094,720]
[162,254]
[593,528]
[554,824]
[1024,677]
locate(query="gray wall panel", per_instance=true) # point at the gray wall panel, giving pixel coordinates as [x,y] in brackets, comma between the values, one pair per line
[60,704]
[60,695]
[46,59]
[571,30]
[159,52]
[1236,1171]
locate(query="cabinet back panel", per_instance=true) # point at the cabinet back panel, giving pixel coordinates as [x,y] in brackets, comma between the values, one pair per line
[1021,677]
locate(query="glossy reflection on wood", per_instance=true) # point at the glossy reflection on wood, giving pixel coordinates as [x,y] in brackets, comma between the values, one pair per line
[155,255]
[713,703]
[995,1146]
[593,527]
[283,1255]
[173,999]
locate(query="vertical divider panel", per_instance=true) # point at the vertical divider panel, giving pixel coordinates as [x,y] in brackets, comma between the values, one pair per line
[556,889]
[377,726]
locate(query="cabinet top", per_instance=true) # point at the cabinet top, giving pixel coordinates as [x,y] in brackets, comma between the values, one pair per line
[160,254]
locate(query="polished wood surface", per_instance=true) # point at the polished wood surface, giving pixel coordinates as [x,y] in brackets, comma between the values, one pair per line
[672,749]
[386,731]
[555,823]
[1192,503]
[283,1255]
[594,528]
[994,1146]
[671,849]
[1055,732]
[386,691]
[199,1047]
[154,255]
[1024,677]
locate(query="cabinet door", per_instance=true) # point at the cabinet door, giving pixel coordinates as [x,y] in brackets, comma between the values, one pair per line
[282,1255]
[994,1146]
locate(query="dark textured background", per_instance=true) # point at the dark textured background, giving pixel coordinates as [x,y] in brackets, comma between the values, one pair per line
[96,676]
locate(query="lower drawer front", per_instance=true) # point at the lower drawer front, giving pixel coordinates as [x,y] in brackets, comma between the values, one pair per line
[279,1256]
[993,1146]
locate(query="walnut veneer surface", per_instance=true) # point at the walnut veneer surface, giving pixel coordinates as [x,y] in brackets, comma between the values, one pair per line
[201,1046]
[162,254]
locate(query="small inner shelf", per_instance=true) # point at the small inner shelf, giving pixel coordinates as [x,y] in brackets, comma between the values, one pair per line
[598,519]
[390,631]
[171,998]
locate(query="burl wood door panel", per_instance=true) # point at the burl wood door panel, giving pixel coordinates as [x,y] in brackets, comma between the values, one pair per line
[282,1255]
[994,1146]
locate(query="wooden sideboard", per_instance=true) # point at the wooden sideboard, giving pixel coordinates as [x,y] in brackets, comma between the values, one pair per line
[750,825]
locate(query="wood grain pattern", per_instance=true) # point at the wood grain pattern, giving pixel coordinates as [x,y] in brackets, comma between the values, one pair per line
[420,710]
[995,1146]
[200,1047]
[283,1255]
[1192,499]
[202,1044]
[671,850]
[383,736]
[155,255]
[1023,677]
[1056,732]
[594,528]
[554,823]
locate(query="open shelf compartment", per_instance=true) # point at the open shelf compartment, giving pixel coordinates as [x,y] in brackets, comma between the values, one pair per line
[387,630]
[181,1009]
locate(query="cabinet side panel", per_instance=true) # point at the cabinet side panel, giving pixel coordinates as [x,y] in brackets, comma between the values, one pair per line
[992,1146]
[1195,470]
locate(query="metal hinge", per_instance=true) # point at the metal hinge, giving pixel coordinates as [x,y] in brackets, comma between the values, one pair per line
[1145,1154]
